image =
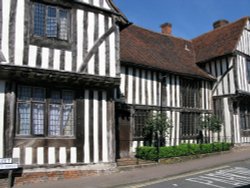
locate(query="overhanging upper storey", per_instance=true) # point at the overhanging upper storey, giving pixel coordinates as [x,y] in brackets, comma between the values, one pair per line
[75,36]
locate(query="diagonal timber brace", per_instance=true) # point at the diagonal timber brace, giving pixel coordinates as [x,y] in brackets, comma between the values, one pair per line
[95,47]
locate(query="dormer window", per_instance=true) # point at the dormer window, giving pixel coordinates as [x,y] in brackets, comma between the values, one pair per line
[50,21]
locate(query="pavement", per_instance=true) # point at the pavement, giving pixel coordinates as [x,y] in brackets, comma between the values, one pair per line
[152,173]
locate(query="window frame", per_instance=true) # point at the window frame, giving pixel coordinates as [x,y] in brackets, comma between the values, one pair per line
[51,42]
[46,103]
[245,117]
[31,103]
[62,105]
[218,108]
[140,118]
[189,125]
[190,93]
[248,69]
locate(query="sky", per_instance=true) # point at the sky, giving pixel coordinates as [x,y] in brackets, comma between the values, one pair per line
[189,18]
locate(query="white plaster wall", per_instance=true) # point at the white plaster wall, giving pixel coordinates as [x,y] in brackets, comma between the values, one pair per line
[2,96]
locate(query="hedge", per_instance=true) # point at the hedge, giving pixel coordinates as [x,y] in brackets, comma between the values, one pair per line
[150,153]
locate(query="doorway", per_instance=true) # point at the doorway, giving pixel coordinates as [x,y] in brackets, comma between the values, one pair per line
[122,134]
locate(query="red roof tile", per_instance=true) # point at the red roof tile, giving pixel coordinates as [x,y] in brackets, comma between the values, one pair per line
[143,47]
[219,42]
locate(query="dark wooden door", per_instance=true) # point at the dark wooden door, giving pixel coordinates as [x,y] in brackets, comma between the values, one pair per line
[123,134]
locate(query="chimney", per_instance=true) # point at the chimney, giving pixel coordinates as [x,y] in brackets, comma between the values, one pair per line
[166,29]
[220,23]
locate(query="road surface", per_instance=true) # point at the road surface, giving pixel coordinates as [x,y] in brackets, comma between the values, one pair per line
[228,176]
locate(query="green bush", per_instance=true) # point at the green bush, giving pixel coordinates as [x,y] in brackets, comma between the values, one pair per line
[147,153]
[150,153]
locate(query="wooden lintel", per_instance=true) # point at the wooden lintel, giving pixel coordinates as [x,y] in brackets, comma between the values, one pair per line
[68,78]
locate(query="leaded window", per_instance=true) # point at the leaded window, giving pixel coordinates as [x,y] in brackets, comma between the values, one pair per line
[189,124]
[190,93]
[248,70]
[61,113]
[30,110]
[35,110]
[141,117]
[50,21]
[219,108]
[245,116]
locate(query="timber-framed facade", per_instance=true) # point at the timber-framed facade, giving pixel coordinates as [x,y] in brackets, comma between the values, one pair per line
[186,79]
[78,81]
[57,83]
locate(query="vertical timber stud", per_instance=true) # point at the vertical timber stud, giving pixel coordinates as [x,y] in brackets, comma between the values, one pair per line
[74,39]
[235,73]
[117,51]
[80,134]
[231,102]
[12,31]
[231,110]
[132,129]
[10,178]
[9,118]
[111,125]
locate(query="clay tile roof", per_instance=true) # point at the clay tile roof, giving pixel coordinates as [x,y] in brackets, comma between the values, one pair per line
[165,52]
[219,42]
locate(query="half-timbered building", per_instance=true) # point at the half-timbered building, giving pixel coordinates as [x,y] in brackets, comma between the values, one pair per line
[158,73]
[58,79]
[73,90]
[185,79]
[224,53]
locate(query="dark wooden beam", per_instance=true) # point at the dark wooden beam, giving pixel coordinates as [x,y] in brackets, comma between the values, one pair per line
[28,74]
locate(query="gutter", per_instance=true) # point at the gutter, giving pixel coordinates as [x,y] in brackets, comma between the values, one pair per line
[212,79]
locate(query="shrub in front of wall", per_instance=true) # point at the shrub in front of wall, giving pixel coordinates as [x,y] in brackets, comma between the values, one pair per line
[147,153]
[150,153]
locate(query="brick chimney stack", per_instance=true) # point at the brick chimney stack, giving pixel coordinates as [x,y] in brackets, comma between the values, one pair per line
[220,23]
[166,29]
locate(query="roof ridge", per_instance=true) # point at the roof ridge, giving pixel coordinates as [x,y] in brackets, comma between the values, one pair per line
[212,44]
[227,25]
[158,33]
[247,18]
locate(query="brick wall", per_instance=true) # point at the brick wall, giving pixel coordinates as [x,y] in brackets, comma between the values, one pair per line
[29,176]
[3,182]
[37,177]
[4,179]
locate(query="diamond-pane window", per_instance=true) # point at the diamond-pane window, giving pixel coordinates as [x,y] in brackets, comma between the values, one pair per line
[39,19]
[30,110]
[51,21]
[51,26]
[248,70]
[23,111]
[63,25]
[61,113]
[34,110]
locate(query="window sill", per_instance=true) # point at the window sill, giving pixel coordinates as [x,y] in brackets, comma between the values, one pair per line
[193,137]
[138,139]
[50,42]
[45,137]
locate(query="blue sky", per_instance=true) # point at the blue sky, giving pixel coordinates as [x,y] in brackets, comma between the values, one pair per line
[189,18]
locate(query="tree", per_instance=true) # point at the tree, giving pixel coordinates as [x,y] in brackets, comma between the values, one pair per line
[156,128]
[211,123]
